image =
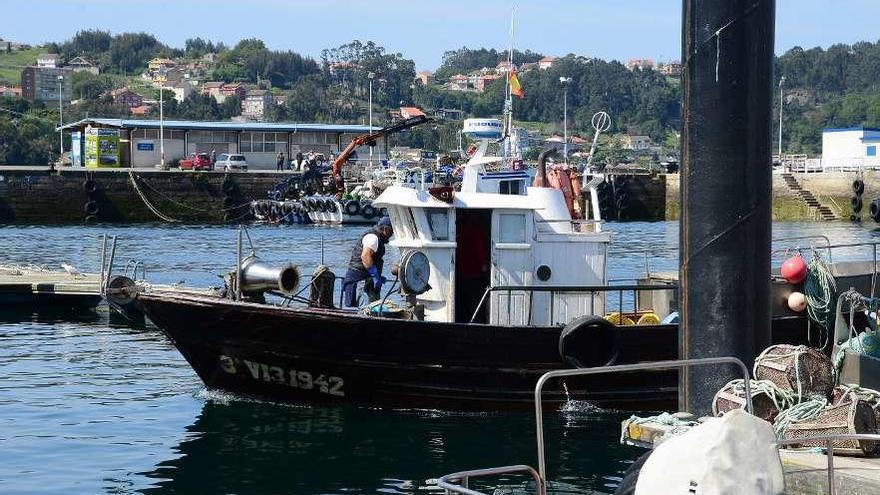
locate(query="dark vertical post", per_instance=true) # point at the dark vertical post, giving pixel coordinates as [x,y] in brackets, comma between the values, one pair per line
[727,49]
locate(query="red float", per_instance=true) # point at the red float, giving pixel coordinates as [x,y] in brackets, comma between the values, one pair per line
[794,269]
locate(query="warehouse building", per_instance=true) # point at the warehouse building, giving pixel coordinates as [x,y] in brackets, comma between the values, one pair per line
[850,148]
[139,140]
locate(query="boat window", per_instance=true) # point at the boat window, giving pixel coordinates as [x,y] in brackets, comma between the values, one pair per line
[408,228]
[509,187]
[512,228]
[438,220]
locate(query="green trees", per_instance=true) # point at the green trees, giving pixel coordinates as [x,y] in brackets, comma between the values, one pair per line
[466,59]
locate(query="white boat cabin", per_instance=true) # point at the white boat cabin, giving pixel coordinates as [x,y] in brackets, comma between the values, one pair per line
[500,232]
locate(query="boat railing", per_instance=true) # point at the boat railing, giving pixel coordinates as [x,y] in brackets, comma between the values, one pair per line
[541,478]
[828,442]
[594,291]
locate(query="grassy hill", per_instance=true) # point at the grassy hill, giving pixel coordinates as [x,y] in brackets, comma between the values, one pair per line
[11,64]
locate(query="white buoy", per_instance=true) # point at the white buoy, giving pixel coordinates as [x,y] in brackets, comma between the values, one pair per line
[797,302]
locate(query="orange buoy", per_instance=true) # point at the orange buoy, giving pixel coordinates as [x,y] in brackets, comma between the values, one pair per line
[794,269]
[797,302]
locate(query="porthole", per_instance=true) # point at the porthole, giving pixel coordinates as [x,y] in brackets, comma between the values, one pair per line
[544,273]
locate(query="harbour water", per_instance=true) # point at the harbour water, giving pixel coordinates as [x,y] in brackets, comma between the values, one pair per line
[89,404]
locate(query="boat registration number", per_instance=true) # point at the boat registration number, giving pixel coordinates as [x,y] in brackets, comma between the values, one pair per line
[302,379]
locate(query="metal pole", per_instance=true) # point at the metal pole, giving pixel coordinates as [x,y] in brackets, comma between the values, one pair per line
[565,81]
[370,77]
[727,90]
[781,80]
[60,119]
[162,120]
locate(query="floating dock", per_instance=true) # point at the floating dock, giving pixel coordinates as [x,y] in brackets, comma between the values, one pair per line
[36,286]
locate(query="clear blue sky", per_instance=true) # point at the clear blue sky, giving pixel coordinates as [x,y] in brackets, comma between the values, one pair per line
[424,29]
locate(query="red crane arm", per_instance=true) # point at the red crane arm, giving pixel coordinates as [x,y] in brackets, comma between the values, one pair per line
[371,140]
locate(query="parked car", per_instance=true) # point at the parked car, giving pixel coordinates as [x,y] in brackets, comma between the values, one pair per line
[228,162]
[196,161]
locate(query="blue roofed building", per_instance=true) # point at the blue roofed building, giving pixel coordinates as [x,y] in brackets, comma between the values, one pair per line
[259,142]
[850,148]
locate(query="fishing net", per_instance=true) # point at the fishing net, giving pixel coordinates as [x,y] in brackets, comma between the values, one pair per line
[767,399]
[801,370]
[816,417]
[869,396]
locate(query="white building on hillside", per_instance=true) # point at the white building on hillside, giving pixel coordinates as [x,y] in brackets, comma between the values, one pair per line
[850,148]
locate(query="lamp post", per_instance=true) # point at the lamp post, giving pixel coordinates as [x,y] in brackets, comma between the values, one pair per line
[370,76]
[565,81]
[781,80]
[162,117]
[60,119]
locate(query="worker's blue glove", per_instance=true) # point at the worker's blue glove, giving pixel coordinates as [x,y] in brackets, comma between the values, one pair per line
[378,279]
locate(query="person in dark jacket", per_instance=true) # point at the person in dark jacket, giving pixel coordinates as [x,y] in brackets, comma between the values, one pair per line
[366,263]
[279,162]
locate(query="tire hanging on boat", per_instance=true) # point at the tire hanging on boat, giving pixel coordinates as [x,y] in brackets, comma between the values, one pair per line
[90,186]
[874,209]
[589,341]
[331,205]
[368,211]
[858,187]
[352,207]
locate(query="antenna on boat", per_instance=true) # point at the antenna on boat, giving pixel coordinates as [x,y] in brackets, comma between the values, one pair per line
[322,249]
[508,96]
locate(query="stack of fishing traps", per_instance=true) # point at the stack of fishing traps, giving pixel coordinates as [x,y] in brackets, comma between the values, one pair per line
[794,387]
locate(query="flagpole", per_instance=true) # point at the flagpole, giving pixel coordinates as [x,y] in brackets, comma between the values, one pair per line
[508,93]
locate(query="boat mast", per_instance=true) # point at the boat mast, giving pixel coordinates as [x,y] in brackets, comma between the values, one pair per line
[508,96]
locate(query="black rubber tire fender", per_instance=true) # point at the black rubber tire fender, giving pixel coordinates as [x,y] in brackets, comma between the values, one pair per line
[589,341]
[331,205]
[90,186]
[352,207]
[368,211]
[856,203]
[91,207]
[874,210]
[858,186]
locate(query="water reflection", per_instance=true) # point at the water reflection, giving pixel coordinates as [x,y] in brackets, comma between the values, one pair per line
[254,447]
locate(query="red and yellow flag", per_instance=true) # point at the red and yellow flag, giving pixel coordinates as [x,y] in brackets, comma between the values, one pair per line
[515,86]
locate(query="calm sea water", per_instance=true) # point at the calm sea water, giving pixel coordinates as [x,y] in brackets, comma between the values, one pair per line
[91,405]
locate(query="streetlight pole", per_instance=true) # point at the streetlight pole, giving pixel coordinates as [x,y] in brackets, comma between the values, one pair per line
[370,76]
[60,119]
[781,80]
[565,81]
[161,118]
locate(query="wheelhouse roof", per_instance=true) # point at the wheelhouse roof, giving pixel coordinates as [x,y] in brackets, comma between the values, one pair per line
[414,198]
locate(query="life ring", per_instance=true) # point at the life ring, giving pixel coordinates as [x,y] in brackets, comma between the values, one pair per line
[331,205]
[90,186]
[856,203]
[228,186]
[858,186]
[92,208]
[589,341]
[368,211]
[352,207]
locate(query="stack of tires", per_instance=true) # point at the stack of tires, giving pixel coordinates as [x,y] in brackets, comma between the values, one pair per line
[92,208]
[229,188]
[858,187]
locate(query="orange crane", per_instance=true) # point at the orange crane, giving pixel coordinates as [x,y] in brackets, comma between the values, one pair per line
[370,140]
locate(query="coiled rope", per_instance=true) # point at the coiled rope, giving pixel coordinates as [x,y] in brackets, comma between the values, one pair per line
[819,290]
[804,411]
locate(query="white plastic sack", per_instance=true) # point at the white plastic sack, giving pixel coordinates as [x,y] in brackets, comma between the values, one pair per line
[734,454]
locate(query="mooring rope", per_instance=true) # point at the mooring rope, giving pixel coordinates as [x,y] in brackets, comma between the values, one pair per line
[193,208]
[795,355]
[819,290]
[678,425]
[147,202]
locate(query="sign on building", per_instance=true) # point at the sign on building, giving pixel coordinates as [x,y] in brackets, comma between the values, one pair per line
[101,147]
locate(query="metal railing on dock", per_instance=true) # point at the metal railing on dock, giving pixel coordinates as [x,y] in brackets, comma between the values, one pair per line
[829,440]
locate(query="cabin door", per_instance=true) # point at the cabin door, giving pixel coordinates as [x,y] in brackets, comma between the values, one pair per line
[511,266]
[472,263]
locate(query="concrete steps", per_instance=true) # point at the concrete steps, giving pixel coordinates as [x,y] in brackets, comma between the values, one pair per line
[825,212]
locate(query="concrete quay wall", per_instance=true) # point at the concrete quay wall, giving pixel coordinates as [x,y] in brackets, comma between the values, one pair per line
[833,189]
[36,195]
